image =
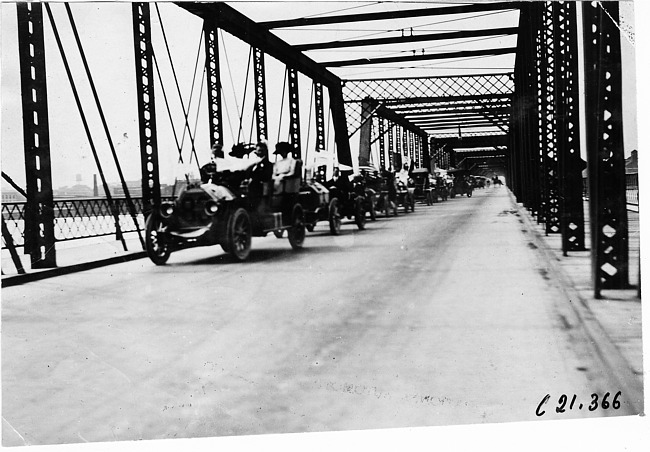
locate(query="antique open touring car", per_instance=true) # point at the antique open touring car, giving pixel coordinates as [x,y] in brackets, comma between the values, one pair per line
[319,205]
[231,208]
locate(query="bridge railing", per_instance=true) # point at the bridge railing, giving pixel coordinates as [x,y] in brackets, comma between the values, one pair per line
[631,188]
[77,218]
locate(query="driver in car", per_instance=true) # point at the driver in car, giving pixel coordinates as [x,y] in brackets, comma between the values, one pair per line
[209,170]
[262,171]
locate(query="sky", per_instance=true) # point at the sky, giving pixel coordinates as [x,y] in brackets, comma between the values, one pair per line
[106,34]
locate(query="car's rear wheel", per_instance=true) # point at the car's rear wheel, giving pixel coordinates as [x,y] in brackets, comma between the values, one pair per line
[157,247]
[297,232]
[360,214]
[239,234]
[335,217]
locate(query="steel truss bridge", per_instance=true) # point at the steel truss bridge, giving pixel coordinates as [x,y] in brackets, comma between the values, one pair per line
[522,123]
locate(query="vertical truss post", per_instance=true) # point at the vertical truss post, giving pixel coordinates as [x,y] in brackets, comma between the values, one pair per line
[320,116]
[365,131]
[294,113]
[337,108]
[405,142]
[214,85]
[411,143]
[39,210]
[529,31]
[572,222]
[426,158]
[260,94]
[549,122]
[382,152]
[606,161]
[146,106]
[540,73]
[391,146]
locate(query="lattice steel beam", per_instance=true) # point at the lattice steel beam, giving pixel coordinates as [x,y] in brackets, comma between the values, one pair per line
[294,113]
[214,85]
[421,12]
[259,75]
[382,156]
[504,31]
[146,105]
[320,116]
[603,104]
[39,210]
[456,87]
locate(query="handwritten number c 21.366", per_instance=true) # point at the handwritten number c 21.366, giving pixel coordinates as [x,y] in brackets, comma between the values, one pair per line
[594,402]
[562,402]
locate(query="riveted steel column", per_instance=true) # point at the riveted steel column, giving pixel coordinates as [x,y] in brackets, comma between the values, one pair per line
[214,84]
[146,106]
[411,143]
[391,145]
[549,122]
[540,74]
[603,104]
[260,94]
[320,117]
[294,113]
[382,152]
[572,222]
[426,158]
[365,132]
[39,210]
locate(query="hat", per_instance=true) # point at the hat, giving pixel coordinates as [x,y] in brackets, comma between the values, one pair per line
[240,150]
[283,148]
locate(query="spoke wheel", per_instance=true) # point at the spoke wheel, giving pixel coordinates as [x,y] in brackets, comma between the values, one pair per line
[373,213]
[360,214]
[158,248]
[297,230]
[239,234]
[335,217]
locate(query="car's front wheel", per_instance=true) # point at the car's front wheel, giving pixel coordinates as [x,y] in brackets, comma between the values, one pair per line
[239,234]
[335,217]
[297,232]
[158,248]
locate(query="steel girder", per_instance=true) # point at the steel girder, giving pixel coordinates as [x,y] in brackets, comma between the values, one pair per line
[421,12]
[39,210]
[572,222]
[146,105]
[406,39]
[606,161]
[214,85]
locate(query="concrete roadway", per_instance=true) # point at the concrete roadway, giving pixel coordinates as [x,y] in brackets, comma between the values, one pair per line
[442,316]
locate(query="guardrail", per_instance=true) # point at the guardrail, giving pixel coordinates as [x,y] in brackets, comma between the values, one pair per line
[77,219]
[631,189]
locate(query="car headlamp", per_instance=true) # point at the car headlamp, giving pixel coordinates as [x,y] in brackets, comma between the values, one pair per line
[211,208]
[166,209]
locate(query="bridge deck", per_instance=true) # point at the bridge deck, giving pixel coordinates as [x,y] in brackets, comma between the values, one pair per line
[443,316]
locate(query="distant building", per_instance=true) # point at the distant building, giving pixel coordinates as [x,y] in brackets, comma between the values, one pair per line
[632,163]
[74,192]
[10,195]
